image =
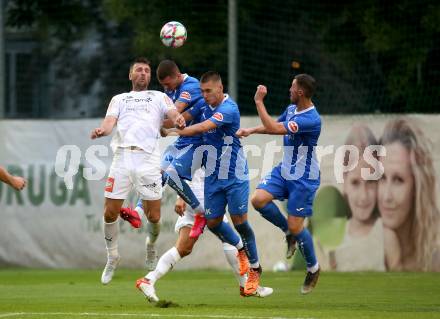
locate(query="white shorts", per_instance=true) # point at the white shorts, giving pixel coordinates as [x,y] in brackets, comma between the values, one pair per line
[187,220]
[134,169]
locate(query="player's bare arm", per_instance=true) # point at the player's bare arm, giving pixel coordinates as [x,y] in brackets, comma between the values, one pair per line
[199,128]
[271,126]
[106,127]
[246,131]
[180,106]
[176,118]
[180,206]
[16,182]
[167,123]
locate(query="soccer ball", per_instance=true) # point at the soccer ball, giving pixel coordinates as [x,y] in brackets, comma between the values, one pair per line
[173,34]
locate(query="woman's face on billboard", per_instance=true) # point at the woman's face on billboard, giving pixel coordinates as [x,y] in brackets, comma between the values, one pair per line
[396,187]
[360,193]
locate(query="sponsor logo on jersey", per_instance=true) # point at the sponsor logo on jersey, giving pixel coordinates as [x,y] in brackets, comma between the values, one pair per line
[185,96]
[137,100]
[152,187]
[218,116]
[293,127]
[109,184]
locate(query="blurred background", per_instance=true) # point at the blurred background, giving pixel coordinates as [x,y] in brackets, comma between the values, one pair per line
[62,61]
[65,59]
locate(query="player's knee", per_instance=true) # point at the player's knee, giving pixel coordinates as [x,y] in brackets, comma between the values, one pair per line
[212,223]
[152,216]
[110,214]
[258,201]
[295,229]
[153,219]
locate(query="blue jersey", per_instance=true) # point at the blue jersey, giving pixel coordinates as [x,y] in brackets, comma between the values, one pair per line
[303,130]
[189,92]
[228,161]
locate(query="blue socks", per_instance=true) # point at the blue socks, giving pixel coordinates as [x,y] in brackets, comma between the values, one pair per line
[248,237]
[182,189]
[272,213]
[226,234]
[305,245]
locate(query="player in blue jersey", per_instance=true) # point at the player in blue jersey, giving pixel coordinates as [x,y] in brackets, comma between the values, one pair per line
[297,177]
[226,181]
[179,162]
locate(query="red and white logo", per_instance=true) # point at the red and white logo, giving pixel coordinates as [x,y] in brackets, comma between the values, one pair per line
[218,116]
[185,96]
[109,184]
[293,127]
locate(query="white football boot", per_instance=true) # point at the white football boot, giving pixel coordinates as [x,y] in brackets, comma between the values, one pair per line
[144,285]
[109,269]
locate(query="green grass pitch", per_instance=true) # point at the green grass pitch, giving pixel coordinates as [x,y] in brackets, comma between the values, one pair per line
[214,294]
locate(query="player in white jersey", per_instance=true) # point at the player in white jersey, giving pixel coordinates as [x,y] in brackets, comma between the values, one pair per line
[137,116]
[185,244]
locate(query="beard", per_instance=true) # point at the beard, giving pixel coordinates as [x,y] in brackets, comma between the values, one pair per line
[140,85]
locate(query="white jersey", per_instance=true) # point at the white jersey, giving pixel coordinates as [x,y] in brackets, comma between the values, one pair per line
[197,185]
[140,115]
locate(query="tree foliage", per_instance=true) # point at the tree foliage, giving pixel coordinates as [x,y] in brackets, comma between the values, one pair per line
[367,55]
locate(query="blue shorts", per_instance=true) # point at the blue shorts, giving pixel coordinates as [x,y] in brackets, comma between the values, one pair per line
[182,159]
[299,193]
[231,192]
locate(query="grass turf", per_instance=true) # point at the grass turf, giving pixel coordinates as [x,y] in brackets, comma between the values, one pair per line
[214,294]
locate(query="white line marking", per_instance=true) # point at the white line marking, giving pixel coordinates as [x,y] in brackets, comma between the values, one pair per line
[152,315]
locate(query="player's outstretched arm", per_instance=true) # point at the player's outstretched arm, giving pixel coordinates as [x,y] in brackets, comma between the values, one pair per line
[176,118]
[167,123]
[246,131]
[105,129]
[16,182]
[180,106]
[271,126]
[198,128]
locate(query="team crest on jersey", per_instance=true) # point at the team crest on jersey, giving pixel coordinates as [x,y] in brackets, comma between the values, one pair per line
[293,127]
[185,96]
[109,184]
[218,116]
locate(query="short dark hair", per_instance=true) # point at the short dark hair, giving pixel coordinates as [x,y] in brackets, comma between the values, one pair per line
[210,76]
[140,59]
[307,83]
[166,68]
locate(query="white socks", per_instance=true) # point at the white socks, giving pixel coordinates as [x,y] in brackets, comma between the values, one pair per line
[153,230]
[164,265]
[239,245]
[231,256]
[314,268]
[111,232]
